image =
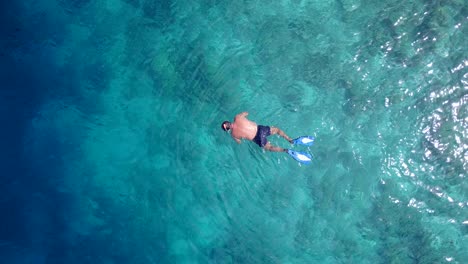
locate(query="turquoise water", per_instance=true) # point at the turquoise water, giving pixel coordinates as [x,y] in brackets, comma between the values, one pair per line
[118,155]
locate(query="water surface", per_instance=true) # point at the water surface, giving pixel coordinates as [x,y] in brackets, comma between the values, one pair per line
[114,152]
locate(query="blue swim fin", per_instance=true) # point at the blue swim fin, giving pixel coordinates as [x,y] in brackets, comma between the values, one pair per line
[304,140]
[302,157]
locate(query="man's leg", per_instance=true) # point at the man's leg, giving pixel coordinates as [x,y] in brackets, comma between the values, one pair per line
[275,130]
[270,147]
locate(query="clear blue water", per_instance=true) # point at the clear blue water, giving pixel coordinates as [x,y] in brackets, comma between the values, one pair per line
[112,151]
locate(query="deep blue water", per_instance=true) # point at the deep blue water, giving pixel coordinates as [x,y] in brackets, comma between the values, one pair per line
[31,205]
[111,150]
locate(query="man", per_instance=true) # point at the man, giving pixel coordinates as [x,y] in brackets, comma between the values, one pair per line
[242,128]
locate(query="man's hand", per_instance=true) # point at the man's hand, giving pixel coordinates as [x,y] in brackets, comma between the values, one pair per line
[243,114]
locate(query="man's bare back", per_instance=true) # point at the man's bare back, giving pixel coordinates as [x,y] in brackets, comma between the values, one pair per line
[242,128]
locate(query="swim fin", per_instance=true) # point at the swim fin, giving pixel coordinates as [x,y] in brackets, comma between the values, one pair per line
[302,157]
[304,140]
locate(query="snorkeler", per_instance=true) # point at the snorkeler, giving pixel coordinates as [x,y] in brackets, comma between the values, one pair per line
[242,128]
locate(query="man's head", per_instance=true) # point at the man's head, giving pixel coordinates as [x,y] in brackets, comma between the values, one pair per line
[226,125]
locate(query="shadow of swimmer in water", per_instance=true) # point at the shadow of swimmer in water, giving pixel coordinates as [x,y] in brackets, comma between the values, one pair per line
[243,128]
